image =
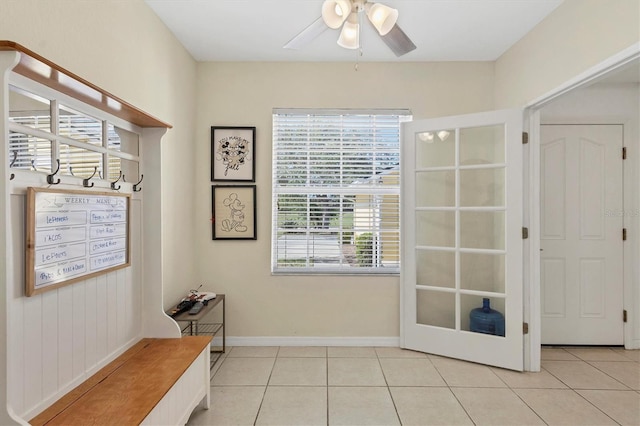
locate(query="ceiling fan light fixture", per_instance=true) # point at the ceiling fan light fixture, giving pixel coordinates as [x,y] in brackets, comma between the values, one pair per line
[382,17]
[350,34]
[335,12]
[426,137]
[443,135]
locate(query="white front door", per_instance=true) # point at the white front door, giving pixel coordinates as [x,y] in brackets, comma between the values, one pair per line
[581,234]
[462,237]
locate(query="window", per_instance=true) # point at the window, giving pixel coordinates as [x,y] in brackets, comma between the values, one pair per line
[43,131]
[336,191]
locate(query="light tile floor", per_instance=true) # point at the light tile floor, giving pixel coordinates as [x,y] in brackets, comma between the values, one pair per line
[391,386]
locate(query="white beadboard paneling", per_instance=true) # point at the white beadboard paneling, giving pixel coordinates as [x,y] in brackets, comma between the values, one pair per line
[90,319]
[121,305]
[101,317]
[15,305]
[50,342]
[33,350]
[60,337]
[132,322]
[65,335]
[112,312]
[135,315]
[79,326]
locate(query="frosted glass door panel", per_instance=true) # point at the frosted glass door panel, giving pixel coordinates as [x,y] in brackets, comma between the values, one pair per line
[482,187]
[433,149]
[470,302]
[482,272]
[436,308]
[482,230]
[482,145]
[436,189]
[436,268]
[436,228]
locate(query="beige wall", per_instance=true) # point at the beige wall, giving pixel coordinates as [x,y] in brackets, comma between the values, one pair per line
[123,47]
[244,94]
[578,35]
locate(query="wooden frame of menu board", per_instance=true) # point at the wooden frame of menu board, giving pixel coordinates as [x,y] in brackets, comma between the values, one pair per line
[73,235]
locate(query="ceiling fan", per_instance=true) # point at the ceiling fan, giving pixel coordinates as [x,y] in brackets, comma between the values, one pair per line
[346,14]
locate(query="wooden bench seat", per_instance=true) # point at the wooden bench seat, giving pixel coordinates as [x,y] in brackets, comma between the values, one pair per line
[127,390]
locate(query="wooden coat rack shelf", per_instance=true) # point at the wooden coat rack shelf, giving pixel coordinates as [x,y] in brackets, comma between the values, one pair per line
[37,68]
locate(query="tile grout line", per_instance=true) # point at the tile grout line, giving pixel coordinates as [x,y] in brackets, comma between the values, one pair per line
[326,353]
[266,387]
[607,374]
[568,388]
[590,365]
[592,404]
[526,404]
[453,393]
[384,376]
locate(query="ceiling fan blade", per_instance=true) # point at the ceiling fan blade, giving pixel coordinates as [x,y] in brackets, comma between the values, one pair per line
[307,35]
[398,41]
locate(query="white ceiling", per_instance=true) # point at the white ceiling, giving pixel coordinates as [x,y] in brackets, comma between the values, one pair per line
[256,30]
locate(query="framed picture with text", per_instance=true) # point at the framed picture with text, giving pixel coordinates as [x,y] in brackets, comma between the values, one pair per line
[233,212]
[233,154]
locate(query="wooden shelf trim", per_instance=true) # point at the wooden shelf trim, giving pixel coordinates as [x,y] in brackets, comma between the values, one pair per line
[42,70]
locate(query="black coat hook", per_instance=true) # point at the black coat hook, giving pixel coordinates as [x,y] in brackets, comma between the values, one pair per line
[113,184]
[85,182]
[50,180]
[15,157]
[135,186]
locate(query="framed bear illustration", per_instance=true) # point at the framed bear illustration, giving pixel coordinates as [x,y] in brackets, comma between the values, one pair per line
[233,212]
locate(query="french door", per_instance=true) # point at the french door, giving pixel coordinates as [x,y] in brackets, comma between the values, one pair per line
[462,210]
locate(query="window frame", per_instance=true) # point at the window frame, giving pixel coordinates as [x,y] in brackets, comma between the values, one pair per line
[339,189]
[58,100]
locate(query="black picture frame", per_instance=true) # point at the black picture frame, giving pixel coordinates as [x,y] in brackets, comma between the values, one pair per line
[233,154]
[233,212]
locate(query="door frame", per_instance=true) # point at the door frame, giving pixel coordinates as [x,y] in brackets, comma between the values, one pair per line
[627,195]
[532,302]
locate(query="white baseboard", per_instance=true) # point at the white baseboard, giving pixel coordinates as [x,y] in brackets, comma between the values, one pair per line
[633,344]
[307,341]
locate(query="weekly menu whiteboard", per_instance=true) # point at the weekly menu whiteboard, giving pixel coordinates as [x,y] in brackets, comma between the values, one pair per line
[74,235]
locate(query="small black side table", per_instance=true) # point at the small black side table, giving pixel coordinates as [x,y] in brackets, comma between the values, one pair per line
[195,326]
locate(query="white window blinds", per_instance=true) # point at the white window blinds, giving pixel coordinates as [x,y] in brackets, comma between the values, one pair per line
[336,191]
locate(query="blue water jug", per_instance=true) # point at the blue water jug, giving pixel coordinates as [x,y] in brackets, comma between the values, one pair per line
[486,320]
